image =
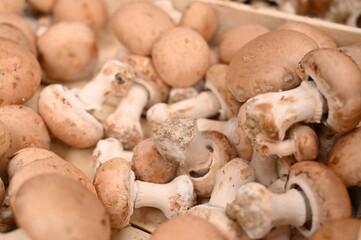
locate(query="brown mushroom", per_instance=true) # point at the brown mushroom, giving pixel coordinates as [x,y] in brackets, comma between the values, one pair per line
[45,6]
[347,229]
[12,6]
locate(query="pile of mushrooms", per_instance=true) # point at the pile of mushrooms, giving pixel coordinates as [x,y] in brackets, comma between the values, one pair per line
[241,133]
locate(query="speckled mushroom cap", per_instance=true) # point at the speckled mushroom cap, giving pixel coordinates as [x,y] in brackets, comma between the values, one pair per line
[114,182]
[181,57]
[157,89]
[149,166]
[21,73]
[139,24]
[266,65]
[321,39]
[327,196]
[12,6]
[21,24]
[216,82]
[45,6]
[232,39]
[68,58]
[90,12]
[186,227]
[27,155]
[338,78]
[346,229]
[46,166]
[67,119]
[354,52]
[201,17]
[13,33]
[60,208]
[344,158]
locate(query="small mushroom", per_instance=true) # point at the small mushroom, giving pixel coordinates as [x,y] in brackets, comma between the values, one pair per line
[201,17]
[233,39]
[120,193]
[67,58]
[314,196]
[347,229]
[90,12]
[139,24]
[181,57]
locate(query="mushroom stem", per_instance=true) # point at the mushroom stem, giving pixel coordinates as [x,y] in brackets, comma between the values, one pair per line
[264,168]
[271,114]
[228,128]
[204,104]
[17,234]
[280,149]
[124,123]
[171,198]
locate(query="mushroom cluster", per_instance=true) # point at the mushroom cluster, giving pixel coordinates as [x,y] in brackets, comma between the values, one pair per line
[110,107]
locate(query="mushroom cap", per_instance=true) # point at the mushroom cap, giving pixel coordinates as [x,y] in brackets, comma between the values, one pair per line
[233,39]
[67,119]
[90,12]
[157,89]
[186,227]
[67,58]
[139,24]
[216,82]
[338,78]
[201,17]
[114,182]
[149,166]
[61,208]
[346,229]
[21,73]
[181,57]
[344,158]
[266,65]
[45,166]
[325,192]
[13,33]
[45,6]
[321,39]
[5,139]
[306,141]
[12,6]
[354,52]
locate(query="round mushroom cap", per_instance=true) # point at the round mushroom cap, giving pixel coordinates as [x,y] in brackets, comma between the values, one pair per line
[157,89]
[344,158]
[201,17]
[5,140]
[186,227]
[345,229]
[45,6]
[216,82]
[306,142]
[325,192]
[45,166]
[181,57]
[139,24]
[68,58]
[321,39]
[266,65]
[149,166]
[12,6]
[354,52]
[21,73]
[66,117]
[114,182]
[90,12]
[233,39]
[338,78]
[13,33]
[60,208]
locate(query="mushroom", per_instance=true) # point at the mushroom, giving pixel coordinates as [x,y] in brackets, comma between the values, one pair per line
[186,227]
[13,33]
[253,70]
[149,166]
[314,196]
[355,19]
[45,6]
[90,12]
[21,73]
[168,7]
[66,117]
[12,6]
[354,52]
[347,229]
[120,193]
[181,57]
[233,39]
[270,115]
[180,94]
[201,17]
[60,208]
[216,100]
[67,58]
[124,123]
[139,24]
